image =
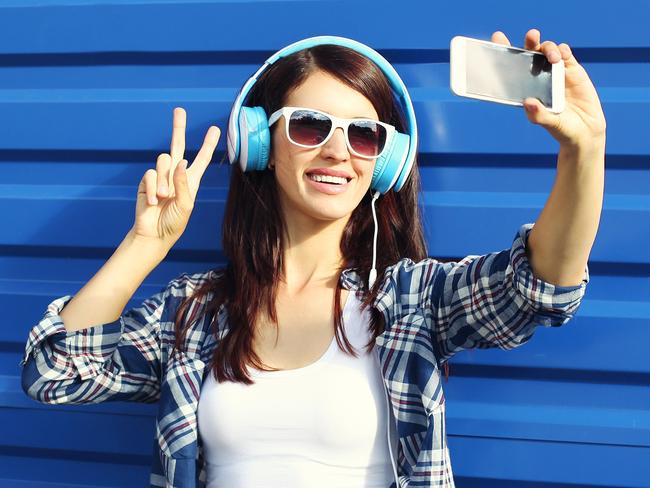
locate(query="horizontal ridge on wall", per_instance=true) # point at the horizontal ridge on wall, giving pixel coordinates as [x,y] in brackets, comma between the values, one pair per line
[216,25]
[618,55]
[49,214]
[137,122]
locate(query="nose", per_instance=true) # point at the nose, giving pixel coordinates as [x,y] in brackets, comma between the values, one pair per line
[336,147]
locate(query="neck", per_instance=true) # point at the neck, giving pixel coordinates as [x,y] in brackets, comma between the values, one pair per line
[312,254]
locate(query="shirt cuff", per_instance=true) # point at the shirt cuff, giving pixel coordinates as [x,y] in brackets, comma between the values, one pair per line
[556,301]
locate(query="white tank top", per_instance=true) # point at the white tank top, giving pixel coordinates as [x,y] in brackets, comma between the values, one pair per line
[323,425]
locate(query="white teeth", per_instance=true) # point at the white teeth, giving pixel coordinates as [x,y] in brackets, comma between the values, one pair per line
[328,179]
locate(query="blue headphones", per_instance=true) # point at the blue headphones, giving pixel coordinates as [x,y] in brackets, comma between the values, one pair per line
[249,137]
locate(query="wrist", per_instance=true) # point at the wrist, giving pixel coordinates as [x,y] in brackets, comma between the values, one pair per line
[587,147]
[148,249]
[591,144]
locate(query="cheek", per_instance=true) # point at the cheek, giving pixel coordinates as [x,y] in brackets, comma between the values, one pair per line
[287,171]
[365,171]
[284,177]
[283,151]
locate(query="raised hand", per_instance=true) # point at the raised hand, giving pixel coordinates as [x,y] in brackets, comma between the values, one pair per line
[166,194]
[582,121]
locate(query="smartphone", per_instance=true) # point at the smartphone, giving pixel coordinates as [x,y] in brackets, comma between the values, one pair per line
[497,73]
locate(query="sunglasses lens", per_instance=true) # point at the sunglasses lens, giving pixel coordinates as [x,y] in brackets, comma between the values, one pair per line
[309,128]
[367,137]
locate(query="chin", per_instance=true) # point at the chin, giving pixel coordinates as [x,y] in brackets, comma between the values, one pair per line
[321,207]
[330,214]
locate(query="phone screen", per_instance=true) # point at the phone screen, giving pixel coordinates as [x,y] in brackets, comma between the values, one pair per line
[507,73]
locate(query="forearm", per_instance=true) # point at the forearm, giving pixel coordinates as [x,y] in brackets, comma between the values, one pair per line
[561,240]
[104,297]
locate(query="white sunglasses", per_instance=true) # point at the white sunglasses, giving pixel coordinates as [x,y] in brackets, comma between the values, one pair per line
[307,127]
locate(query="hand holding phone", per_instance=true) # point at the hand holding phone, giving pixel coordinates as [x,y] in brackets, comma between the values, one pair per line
[581,124]
[499,73]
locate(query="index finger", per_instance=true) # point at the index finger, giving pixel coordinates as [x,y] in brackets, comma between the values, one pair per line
[177,148]
[205,154]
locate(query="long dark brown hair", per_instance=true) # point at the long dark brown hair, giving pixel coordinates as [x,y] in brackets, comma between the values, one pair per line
[253,226]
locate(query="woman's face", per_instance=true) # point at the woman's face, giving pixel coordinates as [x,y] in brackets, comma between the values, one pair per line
[300,196]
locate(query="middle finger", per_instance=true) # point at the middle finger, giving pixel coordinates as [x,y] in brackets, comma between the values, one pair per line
[177,148]
[551,51]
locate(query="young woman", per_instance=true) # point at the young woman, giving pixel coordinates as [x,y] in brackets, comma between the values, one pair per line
[285,368]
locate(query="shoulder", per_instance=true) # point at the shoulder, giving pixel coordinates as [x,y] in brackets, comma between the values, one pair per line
[407,272]
[406,282]
[178,290]
[407,265]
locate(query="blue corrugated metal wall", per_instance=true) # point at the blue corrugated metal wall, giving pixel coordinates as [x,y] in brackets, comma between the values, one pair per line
[86,96]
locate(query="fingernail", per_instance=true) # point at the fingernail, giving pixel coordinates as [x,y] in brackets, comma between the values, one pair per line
[153,201]
[162,190]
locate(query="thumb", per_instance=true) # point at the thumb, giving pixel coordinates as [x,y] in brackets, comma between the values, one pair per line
[538,114]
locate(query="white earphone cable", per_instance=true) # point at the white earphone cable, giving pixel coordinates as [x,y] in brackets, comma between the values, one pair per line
[373,272]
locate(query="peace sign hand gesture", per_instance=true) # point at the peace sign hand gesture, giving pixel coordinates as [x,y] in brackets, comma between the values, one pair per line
[166,195]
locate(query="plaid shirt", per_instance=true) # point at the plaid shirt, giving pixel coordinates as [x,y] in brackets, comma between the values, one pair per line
[432,311]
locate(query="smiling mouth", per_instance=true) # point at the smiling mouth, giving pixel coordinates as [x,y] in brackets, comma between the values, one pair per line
[331,180]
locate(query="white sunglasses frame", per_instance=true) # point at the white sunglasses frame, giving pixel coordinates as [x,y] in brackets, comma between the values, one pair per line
[336,123]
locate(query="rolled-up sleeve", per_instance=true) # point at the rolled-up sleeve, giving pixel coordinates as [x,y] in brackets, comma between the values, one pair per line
[116,361]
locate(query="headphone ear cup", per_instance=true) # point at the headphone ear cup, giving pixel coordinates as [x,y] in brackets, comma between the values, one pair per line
[405,170]
[255,139]
[390,164]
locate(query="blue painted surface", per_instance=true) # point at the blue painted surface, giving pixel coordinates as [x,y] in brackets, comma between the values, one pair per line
[86,94]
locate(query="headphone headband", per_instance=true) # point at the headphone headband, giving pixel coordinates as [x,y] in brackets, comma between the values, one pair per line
[236,128]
